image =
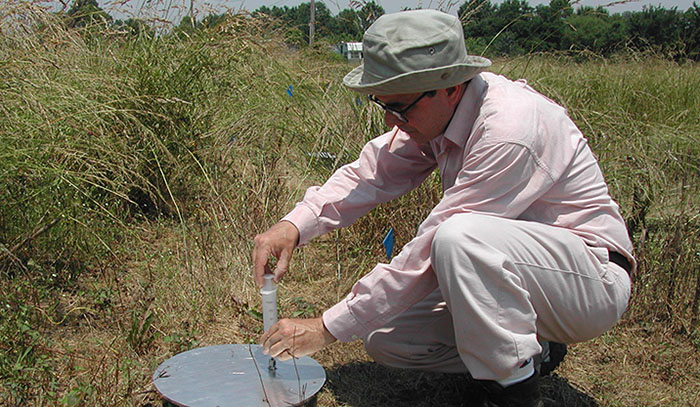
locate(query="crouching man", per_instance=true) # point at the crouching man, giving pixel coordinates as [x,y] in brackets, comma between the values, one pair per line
[525,246]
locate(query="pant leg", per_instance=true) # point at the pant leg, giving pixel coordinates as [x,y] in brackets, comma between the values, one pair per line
[422,338]
[508,282]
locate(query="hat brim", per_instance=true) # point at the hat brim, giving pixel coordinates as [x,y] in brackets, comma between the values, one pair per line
[417,81]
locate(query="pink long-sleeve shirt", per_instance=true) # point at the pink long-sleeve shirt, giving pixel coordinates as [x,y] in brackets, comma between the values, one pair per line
[508,151]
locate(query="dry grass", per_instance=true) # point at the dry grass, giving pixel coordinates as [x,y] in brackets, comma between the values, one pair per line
[636,365]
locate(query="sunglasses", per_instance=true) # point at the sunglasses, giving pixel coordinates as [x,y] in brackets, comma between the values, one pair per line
[400,113]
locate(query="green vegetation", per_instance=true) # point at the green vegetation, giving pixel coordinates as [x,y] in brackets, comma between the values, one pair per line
[348,25]
[135,170]
[513,27]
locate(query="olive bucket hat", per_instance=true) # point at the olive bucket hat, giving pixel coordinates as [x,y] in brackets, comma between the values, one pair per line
[413,51]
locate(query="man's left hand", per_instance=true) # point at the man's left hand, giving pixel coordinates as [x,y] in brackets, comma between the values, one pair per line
[295,337]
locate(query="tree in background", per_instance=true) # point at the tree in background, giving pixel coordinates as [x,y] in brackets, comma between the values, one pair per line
[347,26]
[134,27]
[501,30]
[186,26]
[512,27]
[690,32]
[87,13]
[593,29]
[276,12]
[479,22]
[369,13]
[212,20]
[298,18]
[656,28]
[515,28]
[322,16]
[515,17]
[549,24]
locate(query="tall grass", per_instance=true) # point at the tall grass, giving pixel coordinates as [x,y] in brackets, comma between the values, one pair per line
[135,171]
[104,139]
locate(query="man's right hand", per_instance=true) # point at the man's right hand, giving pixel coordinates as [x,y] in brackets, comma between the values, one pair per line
[278,241]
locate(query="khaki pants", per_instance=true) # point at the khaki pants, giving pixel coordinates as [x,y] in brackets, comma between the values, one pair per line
[504,285]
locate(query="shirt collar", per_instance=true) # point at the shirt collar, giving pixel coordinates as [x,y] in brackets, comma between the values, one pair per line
[465,114]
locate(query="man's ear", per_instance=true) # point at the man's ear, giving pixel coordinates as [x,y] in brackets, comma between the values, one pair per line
[454,93]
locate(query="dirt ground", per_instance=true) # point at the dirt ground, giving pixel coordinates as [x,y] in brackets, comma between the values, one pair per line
[628,366]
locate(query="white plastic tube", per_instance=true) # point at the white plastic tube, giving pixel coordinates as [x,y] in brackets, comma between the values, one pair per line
[269,301]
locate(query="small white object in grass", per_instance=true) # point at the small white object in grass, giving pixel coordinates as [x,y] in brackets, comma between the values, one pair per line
[269,301]
[269,307]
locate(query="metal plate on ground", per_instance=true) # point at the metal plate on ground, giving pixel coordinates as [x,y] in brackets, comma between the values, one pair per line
[236,375]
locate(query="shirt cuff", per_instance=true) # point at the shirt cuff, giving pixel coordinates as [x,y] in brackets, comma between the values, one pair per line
[305,221]
[342,324]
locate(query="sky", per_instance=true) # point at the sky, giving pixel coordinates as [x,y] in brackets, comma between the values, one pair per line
[173,10]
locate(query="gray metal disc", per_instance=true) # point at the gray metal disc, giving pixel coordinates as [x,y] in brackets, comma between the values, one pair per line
[236,375]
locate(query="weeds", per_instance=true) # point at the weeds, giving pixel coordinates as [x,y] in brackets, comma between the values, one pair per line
[23,357]
[182,340]
[141,336]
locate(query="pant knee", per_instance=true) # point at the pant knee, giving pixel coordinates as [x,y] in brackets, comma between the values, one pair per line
[389,349]
[385,350]
[379,346]
[457,234]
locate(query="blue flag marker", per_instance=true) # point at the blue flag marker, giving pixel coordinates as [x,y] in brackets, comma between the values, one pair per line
[388,243]
[290,90]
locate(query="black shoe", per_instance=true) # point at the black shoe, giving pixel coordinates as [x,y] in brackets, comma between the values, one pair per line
[551,357]
[523,394]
